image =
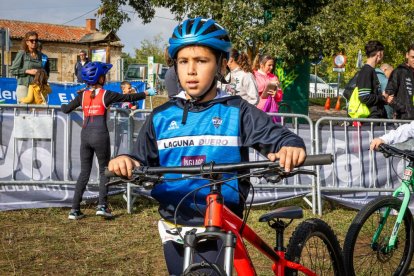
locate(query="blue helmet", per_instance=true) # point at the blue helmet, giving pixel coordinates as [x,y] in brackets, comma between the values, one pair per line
[199,31]
[93,70]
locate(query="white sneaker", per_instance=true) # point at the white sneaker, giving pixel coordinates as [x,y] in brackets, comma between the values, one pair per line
[104,212]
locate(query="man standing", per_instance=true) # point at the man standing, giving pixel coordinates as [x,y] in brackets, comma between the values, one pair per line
[368,84]
[383,74]
[400,87]
[83,60]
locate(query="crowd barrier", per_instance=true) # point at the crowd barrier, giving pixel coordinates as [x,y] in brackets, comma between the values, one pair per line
[39,158]
[357,175]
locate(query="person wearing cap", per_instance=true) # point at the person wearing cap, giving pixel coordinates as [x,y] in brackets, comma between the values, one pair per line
[95,100]
[83,60]
[203,124]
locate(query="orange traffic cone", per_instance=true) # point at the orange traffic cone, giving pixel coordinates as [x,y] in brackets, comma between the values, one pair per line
[338,104]
[328,104]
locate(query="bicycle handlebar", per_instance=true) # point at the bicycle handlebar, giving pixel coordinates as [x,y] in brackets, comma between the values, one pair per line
[311,160]
[389,150]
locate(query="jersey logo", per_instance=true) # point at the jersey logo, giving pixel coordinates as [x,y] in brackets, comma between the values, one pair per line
[217,121]
[173,125]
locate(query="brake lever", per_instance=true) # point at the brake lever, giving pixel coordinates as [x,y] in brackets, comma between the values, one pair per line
[279,174]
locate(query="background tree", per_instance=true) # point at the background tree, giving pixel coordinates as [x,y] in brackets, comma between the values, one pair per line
[154,48]
[293,30]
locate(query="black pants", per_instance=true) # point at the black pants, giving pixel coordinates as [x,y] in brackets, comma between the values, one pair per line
[93,141]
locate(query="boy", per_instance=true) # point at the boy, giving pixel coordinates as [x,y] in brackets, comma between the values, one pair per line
[203,114]
[128,89]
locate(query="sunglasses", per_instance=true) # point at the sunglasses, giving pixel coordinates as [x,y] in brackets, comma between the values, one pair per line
[33,40]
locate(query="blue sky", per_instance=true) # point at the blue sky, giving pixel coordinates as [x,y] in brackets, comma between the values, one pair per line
[62,11]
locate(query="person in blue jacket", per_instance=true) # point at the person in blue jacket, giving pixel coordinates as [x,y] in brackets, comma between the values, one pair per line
[203,124]
[95,101]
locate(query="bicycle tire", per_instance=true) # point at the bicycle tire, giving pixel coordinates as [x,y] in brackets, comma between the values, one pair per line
[314,245]
[358,239]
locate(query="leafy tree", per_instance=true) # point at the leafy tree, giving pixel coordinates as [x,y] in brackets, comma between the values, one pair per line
[154,48]
[282,27]
[293,30]
[128,60]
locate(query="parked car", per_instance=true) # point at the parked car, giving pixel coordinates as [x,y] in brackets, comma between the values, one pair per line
[138,72]
[322,89]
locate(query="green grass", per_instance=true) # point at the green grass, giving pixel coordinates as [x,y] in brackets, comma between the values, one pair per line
[45,242]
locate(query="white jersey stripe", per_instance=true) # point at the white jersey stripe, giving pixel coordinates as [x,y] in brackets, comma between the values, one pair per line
[194,141]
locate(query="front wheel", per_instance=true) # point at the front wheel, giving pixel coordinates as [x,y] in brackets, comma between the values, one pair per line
[362,256]
[314,245]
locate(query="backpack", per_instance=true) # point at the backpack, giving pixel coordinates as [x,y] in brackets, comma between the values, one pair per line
[350,86]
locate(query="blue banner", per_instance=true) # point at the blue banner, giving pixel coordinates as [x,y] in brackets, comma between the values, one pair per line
[61,92]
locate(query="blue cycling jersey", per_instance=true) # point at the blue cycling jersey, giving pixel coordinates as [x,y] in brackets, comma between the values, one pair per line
[211,135]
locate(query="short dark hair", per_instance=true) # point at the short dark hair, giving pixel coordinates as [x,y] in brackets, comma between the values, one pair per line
[373,47]
[410,48]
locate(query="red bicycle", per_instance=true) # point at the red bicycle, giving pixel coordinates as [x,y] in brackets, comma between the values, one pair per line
[313,248]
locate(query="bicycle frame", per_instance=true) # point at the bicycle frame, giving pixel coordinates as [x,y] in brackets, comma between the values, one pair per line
[223,224]
[407,182]
[219,219]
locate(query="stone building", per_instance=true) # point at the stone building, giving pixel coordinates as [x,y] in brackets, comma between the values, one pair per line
[62,44]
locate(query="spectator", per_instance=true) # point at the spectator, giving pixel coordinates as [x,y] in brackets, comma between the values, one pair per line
[26,63]
[127,89]
[401,134]
[367,81]
[83,60]
[95,135]
[241,80]
[38,89]
[172,83]
[383,74]
[400,87]
[175,134]
[263,67]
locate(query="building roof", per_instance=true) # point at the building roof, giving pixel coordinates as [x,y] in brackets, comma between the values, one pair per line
[54,32]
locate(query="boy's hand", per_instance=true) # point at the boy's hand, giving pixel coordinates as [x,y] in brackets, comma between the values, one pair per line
[151,91]
[375,143]
[123,166]
[289,157]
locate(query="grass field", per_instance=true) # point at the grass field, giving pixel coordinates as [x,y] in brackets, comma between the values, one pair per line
[45,242]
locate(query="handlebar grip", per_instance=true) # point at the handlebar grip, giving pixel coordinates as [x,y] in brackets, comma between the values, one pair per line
[319,159]
[109,173]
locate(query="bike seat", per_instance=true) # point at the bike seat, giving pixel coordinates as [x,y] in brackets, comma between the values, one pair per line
[290,212]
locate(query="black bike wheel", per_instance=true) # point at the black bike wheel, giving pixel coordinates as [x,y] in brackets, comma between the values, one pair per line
[314,245]
[361,258]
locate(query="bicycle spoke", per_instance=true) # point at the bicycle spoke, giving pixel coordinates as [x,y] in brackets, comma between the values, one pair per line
[367,258]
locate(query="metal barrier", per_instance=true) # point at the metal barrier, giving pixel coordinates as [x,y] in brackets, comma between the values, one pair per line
[296,183]
[355,168]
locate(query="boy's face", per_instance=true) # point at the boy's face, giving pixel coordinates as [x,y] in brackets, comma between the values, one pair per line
[126,89]
[410,58]
[196,68]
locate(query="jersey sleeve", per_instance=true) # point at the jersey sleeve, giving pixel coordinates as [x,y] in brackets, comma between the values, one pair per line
[114,97]
[261,133]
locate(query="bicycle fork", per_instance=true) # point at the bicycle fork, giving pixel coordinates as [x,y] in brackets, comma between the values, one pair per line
[404,189]
[213,223]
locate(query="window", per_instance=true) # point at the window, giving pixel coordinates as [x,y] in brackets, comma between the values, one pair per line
[13,56]
[53,62]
